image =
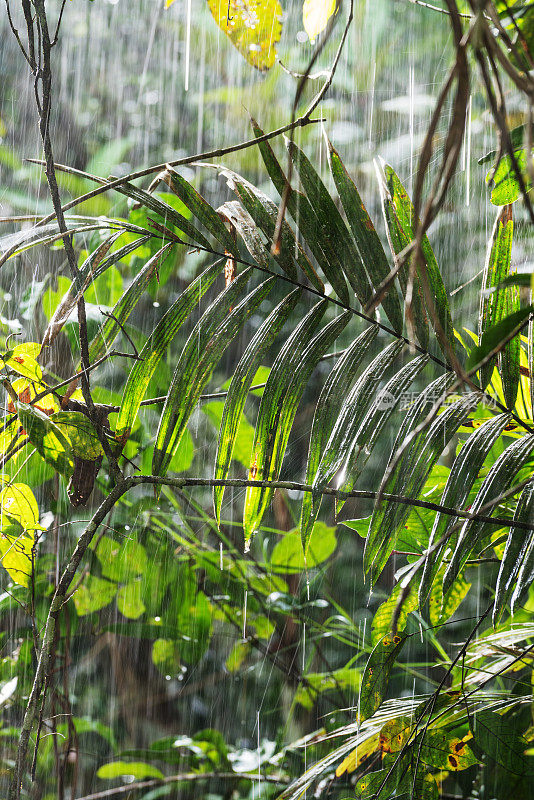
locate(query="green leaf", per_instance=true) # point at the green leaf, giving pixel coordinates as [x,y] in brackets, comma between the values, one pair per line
[122,310]
[169,214]
[264,212]
[129,600]
[288,556]
[518,548]
[394,735]
[405,215]
[331,225]
[47,437]
[300,208]
[286,383]
[93,594]
[59,305]
[243,378]
[334,390]
[443,607]
[440,751]
[462,476]
[80,432]
[155,347]
[383,619]
[495,307]
[340,445]
[315,16]
[210,337]
[399,239]
[375,678]
[254,28]
[505,185]
[244,436]
[408,478]
[199,207]
[500,740]
[369,245]
[375,420]
[135,770]
[238,654]
[497,481]
[121,561]
[344,680]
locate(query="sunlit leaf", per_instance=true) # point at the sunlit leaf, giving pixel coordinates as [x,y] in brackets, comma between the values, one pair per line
[253,26]
[315,16]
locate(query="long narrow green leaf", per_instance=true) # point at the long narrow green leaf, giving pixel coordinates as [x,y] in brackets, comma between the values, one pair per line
[331,224]
[526,572]
[375,420]
[239,387]
[334,390]
[155,347]
[125,305]
[201,353]
[399,240]
[265,214]
[496,269]
[275,420]
[164,210]
[94,266]
[408,478]
[303,214]
[198,206]
[405,213]
[370,247]
[496,334]
[462,476]
[498,479]
[340,444]
[518,547]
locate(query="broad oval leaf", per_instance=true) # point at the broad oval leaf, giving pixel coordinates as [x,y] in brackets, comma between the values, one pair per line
[376,674]
[253,26]
[315,16]
[47,437]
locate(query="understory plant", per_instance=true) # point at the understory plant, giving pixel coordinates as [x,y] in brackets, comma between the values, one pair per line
[114,529]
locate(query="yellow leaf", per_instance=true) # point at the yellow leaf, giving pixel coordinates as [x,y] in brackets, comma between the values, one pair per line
[358,756]
[253,26]
[315,16]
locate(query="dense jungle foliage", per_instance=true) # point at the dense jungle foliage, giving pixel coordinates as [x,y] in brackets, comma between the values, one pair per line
[267,445]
